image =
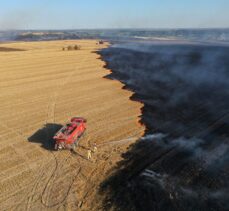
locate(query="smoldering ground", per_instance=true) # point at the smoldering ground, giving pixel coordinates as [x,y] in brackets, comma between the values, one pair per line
[182,162]
[184,88]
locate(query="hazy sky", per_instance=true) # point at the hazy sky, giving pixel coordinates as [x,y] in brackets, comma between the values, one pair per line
[73,14]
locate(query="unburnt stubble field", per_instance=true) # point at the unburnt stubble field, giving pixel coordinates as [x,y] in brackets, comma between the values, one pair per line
[42,87]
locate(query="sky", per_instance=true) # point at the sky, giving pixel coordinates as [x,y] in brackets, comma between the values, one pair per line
[93,14]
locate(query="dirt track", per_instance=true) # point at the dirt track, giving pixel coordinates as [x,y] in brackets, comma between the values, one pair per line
[40,88]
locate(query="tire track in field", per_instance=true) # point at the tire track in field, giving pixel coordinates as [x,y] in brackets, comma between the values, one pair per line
[53,184]
[89,182]
[51,117]
[52,104]
[19,134]
[42,192]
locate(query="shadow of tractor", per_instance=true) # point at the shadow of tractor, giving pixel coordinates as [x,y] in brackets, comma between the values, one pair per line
[44,136]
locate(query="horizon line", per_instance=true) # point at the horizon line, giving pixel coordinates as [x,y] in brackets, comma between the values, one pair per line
[127,28]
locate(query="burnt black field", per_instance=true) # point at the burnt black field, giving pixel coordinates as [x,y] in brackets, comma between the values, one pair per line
[182,162]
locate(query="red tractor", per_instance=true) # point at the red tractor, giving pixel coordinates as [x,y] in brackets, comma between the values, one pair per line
[68,136]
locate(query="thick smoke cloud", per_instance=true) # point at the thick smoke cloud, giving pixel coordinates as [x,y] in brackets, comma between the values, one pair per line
[185,91]
[190,81]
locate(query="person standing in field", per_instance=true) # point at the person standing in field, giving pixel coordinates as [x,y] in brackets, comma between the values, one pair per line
[95,148]
[89,154]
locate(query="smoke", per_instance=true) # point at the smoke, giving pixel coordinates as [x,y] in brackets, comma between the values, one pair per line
[189,197]
[213,157]
[217,157]
[210,160]
[20,18]
[160,179]
[185,89]
[180,82]
[156,136]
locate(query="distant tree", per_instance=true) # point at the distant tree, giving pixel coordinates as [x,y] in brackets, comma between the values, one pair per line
[77,47]
[70,48]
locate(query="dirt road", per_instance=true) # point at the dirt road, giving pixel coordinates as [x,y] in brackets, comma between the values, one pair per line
[42,87]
